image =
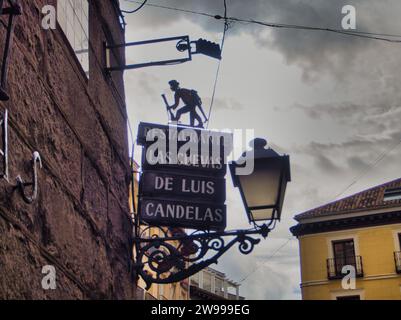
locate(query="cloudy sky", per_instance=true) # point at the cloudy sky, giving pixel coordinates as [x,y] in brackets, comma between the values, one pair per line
[332,102]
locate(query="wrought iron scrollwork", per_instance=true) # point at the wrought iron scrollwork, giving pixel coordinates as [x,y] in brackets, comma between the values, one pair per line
[246,244]
[168,255]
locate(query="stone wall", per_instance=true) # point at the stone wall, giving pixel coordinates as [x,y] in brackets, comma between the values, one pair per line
[80,222]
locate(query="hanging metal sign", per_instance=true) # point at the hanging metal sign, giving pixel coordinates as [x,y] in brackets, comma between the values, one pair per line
[206,165]
[182,184]
[180,147]
[185,214]
[148,133]
[178,186]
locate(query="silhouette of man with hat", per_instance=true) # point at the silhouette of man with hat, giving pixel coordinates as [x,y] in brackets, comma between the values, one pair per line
[191,101]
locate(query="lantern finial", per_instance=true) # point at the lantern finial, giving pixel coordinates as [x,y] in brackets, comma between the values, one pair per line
[258,144]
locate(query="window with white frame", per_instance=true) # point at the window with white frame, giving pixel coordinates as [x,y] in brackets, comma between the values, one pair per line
[392,194]
[73,17]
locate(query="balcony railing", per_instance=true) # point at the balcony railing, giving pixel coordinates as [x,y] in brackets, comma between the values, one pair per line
[335,266]
[397,260]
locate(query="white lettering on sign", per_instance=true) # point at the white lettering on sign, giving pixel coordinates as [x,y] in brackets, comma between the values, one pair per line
[187,185]
[178,211]
[148,208]
[189,213]
[197,187]
[219,214]
[166,145]
[208,214]
[164,183]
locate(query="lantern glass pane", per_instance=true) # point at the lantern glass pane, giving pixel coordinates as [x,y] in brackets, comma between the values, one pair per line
[281,200]
[262,214]
[262,186]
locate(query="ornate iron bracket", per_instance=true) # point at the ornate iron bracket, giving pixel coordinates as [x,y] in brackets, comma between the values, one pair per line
[184,44]
[167,259]
[109,48]
[12,10]
[21,184]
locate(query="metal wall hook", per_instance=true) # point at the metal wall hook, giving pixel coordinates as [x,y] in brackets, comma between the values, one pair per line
[21,184]
[4,145]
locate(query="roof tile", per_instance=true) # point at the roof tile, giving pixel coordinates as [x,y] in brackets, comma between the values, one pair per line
[369,199]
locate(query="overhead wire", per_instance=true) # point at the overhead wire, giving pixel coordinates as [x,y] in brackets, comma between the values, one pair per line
[391,38]
[372,165]
[361,34]
[173,9]
[269,257]
[135,10]
[226,27]
[355,33]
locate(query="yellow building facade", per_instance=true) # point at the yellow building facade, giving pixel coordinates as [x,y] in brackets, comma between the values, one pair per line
[363,232]
[172,291]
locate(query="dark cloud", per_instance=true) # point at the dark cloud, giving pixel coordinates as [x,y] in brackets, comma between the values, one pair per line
[355,163]
[351,111]
[326,164]
[279,273]
[146,84]
[363,148]
[314,51]
[339,164]
[143,89]
[369,122]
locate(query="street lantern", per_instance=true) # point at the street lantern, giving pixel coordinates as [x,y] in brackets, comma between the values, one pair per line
[262,190]
[165,256]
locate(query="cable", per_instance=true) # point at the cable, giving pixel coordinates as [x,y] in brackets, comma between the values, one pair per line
[226,27]
[370,167]
[174,9]
[361,34]
[135,10]
[271,256]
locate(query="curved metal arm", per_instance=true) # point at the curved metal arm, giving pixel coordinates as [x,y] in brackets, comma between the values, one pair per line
[164,259]
[21,184]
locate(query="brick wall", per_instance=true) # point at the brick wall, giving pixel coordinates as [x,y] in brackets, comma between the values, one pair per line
[80,222]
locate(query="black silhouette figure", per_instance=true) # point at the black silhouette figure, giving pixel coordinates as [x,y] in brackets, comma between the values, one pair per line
[191,100]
